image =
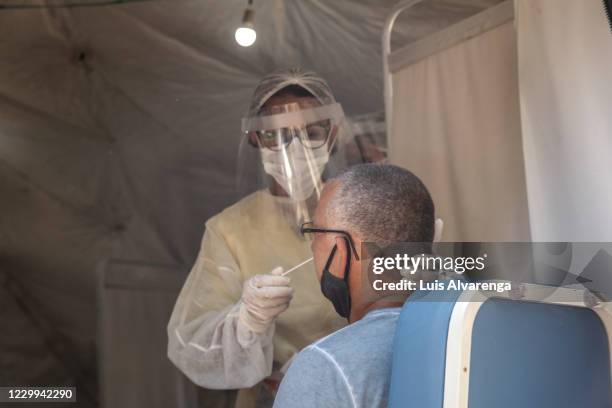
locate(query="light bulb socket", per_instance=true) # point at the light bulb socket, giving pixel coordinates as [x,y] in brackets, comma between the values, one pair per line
[248,18]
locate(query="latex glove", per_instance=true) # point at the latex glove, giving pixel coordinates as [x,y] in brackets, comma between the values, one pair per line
[264,297]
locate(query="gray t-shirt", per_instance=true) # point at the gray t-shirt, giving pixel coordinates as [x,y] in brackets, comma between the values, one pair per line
[348,368]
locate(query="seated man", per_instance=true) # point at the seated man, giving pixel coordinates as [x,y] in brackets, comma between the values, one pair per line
[373,203]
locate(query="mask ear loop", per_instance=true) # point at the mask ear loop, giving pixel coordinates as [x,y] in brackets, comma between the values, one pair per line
[347,269]
[330,257]
[333,125]
[347,264]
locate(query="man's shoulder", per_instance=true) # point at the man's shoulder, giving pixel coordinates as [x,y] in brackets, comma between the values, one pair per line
[351,366]
[359,345]
[378,327]
[314,379]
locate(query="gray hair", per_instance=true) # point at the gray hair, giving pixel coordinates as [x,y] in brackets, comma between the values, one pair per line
[383,204]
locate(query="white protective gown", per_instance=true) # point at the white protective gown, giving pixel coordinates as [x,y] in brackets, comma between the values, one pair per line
[251,237]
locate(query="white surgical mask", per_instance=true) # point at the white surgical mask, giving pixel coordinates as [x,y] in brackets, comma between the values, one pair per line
[298,170]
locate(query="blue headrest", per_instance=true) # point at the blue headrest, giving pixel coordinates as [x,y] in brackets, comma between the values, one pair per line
[528,354]
[523,354]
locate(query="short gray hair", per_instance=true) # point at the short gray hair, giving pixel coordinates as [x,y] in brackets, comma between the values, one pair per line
[383,204]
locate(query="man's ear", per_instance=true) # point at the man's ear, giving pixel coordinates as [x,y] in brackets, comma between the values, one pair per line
[438,227]
[339,262]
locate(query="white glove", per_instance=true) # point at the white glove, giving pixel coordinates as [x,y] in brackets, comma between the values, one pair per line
[264,297]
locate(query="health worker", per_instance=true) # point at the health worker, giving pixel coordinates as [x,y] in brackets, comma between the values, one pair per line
[238,320]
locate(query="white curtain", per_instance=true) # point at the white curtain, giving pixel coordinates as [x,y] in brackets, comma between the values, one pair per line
[565,68]
[456,124]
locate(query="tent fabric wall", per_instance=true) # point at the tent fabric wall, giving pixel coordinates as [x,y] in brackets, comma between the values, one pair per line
[456,124]
[135,303]
[565,60]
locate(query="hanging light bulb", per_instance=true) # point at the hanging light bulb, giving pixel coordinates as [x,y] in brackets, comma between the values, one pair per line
[245,34]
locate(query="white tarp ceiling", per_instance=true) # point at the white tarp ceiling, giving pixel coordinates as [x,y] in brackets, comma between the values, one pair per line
[119,127]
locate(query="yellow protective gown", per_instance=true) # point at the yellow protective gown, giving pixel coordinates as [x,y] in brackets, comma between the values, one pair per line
[251,237]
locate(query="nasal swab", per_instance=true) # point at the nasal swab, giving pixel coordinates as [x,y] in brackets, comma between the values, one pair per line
[296,266]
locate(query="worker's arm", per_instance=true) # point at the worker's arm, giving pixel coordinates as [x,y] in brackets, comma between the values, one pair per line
[207,337]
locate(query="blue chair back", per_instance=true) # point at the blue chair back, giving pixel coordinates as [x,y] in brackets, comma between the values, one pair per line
[523,354]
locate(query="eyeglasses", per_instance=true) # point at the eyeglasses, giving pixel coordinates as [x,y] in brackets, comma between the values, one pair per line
[306,228]
[312,136]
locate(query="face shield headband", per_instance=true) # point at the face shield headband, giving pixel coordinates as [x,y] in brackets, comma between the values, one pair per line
[293,119]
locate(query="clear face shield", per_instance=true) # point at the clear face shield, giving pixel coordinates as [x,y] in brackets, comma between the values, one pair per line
[287,153]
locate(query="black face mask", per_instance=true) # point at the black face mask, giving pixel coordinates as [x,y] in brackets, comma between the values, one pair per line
[336,289]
